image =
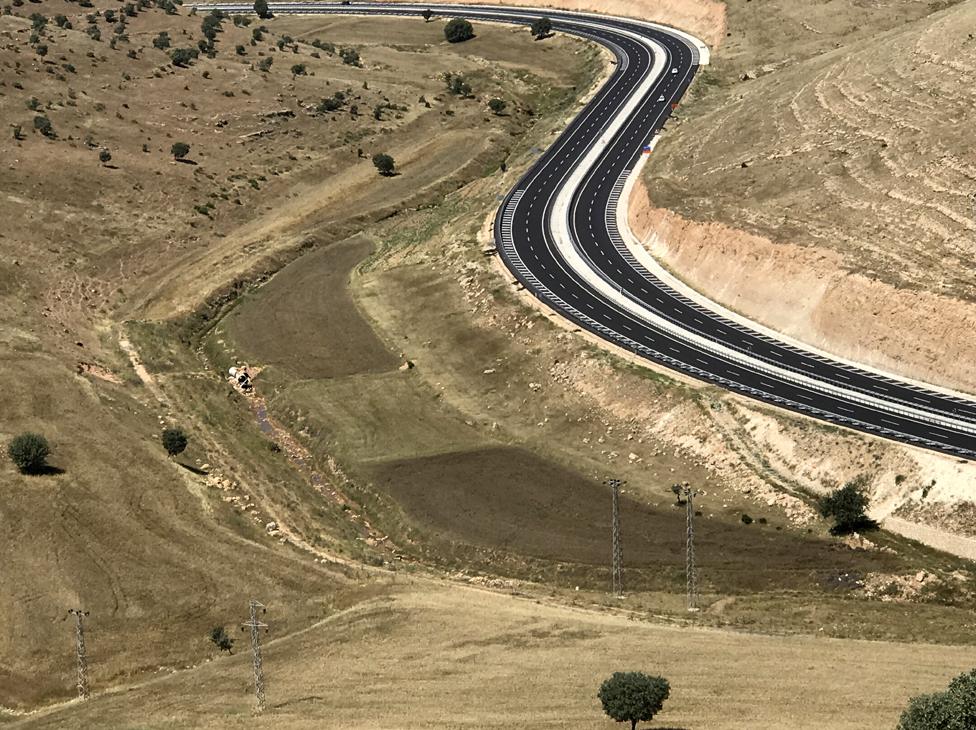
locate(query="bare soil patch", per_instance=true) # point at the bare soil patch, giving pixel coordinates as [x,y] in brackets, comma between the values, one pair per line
[512,501]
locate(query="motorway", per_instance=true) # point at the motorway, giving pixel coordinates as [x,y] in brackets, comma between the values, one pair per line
[562,233]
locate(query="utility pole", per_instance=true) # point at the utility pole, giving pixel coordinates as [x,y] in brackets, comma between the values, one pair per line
[691,574]
[84,691]
[616,560]
[256,627]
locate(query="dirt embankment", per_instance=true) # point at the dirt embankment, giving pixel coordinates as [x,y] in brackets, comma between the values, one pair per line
[818,178]
[809,294]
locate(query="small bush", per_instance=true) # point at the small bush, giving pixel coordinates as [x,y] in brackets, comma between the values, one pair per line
[180,150]
[220,639]
[174,441]
[265,64]
[384,164]
[746,519]
[183,57]
[633,696]
[29,452]
[458,30]
[298,69]
[104,156]
[161,41]
[497,106]
[541,28]
[847,506]
[350,57]
[43,125]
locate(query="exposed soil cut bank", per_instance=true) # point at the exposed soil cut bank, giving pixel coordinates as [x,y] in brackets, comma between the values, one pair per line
[808,294]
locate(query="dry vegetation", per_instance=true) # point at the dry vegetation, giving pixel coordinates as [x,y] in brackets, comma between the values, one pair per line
[429,656]
[421,419]
[825,166]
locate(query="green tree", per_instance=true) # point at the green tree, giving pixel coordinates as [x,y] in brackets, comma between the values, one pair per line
[180,150]
[262,9]
[953,709]
[458,30]
[221,640]
[174,440]
[38,22]
[43,125]
[265,64]
[541,28]
[847,506]
[104,157]
[41,49]
[497,106]
[350,57]
[384,163]
[633,696]
[298,69]
[183,57]
[427,15]
[457,85]
[62,22]
[161,41]
[29,451]
[240,50]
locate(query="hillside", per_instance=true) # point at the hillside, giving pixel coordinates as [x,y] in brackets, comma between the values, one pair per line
[820,179]
[147,544]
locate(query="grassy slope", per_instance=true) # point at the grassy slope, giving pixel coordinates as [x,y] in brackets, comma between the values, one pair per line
[143,543]
[428,656]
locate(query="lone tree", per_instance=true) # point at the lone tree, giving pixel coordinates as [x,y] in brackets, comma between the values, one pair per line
[174,441]
[427,15]
[384,163]
[541,28]
[29,451]
[497,106]
[953,709]
[180,150]
[262,9]
[221,640]
[633,696]
[847,506]
[104,157]
[458,30]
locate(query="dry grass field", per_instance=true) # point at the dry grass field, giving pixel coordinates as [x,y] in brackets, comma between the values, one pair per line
[821,179]
[427,656]
[140,540]
[411,413]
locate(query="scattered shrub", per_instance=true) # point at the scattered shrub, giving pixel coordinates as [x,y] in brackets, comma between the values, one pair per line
[746,519]
[633,696]
[161,41]
[29,452]
[458,30]
[541,28]
[174,441]
[384,164]
[497,106]
[180,150]
[298,69]
[43,125]
[104,156]
[350,57]
[221,640]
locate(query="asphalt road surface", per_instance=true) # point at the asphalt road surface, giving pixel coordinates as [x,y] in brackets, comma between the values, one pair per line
[557,232]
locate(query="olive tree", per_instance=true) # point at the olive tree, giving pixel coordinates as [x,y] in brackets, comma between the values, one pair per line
[541,28]
[384,164]
[174,440]
[953,709]
[847,506]
[458,30]
[633,696]
[29,452]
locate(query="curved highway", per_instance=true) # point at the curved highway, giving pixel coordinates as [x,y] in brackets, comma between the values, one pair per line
[562,234]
